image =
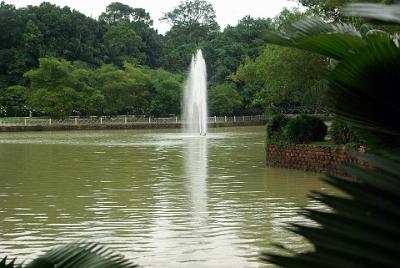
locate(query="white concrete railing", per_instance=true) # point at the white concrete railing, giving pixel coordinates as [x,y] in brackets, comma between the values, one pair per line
[118,120]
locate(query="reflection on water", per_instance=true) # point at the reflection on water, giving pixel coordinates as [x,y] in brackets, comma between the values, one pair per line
[160,198]
[196,158]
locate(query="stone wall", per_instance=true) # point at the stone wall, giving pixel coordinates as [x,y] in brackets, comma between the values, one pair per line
[311,158]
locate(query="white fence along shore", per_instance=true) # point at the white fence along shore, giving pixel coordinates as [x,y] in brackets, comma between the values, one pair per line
[118,120]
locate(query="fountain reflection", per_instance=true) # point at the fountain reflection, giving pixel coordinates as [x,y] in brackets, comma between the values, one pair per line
[196,162]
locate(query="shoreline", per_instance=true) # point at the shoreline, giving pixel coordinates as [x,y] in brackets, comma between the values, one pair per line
[122,126]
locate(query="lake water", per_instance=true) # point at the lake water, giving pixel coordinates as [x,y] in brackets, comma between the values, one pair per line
[160,198]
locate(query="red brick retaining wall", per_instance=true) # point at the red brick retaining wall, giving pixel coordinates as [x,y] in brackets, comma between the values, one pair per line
[310,158]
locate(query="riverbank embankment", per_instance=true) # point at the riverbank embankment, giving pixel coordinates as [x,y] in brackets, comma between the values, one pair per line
[124,123]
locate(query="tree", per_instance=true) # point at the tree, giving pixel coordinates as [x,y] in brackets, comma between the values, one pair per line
[122,43]
[193,23]
[141,88]
[116,88]
[32,40]
[191,13]
[59,89]
[166,99]
[300,88]
[224,99]
[227,50]
[117,12]
[13,101]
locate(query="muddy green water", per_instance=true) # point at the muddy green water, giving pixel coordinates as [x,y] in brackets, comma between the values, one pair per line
[161,198]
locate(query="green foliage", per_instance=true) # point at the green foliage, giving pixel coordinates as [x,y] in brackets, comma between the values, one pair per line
[166,99]
[358,231]
[192,13]
[32,39]
[59,89]
[13,101]
[123,44]
[224,100]
[52,88]
[126,34]
[275,126]
[332,9]
[118,12]
[319,129]
[341,133]
[299,89]
[304,129]
[228,49]
[76,255]
[117,89]
[360,228]
[365,63]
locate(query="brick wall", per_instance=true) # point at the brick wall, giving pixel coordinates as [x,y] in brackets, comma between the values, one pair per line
[311,158]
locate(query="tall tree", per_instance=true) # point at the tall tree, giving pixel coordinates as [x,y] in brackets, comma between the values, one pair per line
[228,49]
[193,22]
[191,13]
[123,43]
[116,12]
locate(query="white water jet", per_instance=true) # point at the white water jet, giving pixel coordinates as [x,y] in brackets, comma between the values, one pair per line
[195,113]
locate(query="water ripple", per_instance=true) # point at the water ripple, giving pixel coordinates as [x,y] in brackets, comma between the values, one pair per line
[160,198]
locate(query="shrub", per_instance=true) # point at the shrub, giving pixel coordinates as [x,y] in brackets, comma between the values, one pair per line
[318,128]
[304,129]
[341,133]
[275,125]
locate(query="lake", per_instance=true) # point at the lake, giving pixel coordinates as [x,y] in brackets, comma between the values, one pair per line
[161,198]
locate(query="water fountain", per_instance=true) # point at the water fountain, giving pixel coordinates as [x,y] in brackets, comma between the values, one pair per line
[195,113]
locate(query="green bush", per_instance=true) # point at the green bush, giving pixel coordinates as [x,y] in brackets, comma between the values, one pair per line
[318,128]
[304,129]
[275,125]
[341,133]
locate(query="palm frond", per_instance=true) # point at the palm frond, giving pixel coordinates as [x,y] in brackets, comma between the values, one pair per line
[363,85]
[332,40]
[362,229]
[387,13]
[363,89]
[5,264]
[78,255]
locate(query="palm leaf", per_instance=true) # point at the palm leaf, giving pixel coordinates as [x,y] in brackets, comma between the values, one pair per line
[387,13]
[362,229]
[363,85]
[363,91]
[336,41]
[11,264]
[79,255]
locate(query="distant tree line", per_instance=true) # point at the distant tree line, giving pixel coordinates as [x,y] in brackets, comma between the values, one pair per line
[58,62]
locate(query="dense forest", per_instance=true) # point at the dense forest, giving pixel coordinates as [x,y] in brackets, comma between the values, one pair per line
[57,62]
